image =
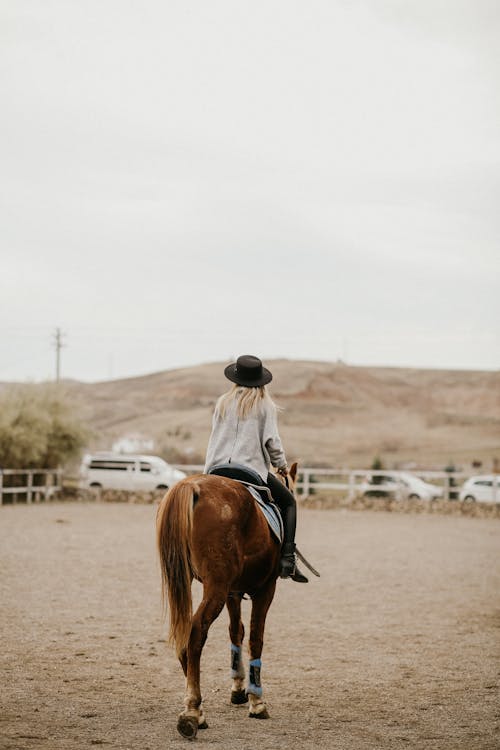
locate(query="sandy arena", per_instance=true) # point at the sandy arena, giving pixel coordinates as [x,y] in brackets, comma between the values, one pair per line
[397,645]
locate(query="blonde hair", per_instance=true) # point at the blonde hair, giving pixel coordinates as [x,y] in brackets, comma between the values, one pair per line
[248,399]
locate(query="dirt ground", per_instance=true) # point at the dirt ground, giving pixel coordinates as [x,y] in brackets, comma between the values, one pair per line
[397,645]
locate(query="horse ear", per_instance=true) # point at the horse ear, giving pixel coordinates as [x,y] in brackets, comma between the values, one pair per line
[293,471]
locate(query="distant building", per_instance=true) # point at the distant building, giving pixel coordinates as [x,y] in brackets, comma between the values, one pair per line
[133,443]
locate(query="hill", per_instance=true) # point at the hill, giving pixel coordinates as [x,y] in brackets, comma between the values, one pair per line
[333,414]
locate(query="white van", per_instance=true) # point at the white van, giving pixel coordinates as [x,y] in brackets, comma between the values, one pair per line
[121,471]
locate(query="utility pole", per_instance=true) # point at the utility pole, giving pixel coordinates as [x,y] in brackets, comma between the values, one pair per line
[58,345]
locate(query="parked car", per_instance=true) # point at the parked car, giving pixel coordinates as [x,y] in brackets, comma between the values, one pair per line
[484,489]
[400,485]
[117,471]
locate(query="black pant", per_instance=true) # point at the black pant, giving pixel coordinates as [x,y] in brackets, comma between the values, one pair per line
[287,505]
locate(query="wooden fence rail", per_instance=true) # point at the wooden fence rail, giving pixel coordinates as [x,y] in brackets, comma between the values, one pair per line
[35,484]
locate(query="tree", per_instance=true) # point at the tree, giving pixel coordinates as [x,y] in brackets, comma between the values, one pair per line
[40,427]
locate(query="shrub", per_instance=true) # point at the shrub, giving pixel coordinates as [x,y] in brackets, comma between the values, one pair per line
[40,427]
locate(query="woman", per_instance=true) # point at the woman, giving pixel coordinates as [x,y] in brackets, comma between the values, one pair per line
[245,432]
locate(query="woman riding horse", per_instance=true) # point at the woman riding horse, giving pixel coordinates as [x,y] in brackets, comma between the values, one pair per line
[210,528]
[245,432]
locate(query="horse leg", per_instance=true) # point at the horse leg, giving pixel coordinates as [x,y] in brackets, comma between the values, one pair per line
[236,634]
[192,718]
[183,661]
[260,606]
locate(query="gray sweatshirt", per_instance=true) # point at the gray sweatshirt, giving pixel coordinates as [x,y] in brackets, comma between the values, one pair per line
[253,441]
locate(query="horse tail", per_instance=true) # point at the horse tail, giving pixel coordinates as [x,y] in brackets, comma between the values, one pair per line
[174,522]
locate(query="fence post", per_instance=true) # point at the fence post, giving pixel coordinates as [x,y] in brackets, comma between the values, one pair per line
[305,483]
[351,493]
[29,487]
[450,482]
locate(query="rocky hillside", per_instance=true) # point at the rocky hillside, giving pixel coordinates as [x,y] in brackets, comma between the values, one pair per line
[333,414]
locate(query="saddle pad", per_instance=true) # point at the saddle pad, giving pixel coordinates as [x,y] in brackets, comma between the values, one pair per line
[271,513]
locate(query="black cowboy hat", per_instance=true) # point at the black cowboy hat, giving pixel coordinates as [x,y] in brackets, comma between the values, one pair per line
[248,371]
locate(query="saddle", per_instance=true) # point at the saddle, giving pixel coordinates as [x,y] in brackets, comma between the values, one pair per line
[246,476]
[262,495]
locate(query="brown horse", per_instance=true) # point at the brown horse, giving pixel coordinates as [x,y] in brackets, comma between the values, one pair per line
[210,528]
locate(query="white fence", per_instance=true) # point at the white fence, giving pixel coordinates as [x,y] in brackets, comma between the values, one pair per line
[354,482]
[41,484]
[34,484]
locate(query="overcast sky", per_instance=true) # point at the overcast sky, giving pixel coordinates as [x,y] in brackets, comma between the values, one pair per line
[183,182]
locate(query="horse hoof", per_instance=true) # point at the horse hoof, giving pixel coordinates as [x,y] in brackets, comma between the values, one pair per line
[203,725]
[187,726]
[262,715]
[238,697]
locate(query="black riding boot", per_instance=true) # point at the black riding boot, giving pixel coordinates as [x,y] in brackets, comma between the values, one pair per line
[288,562]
